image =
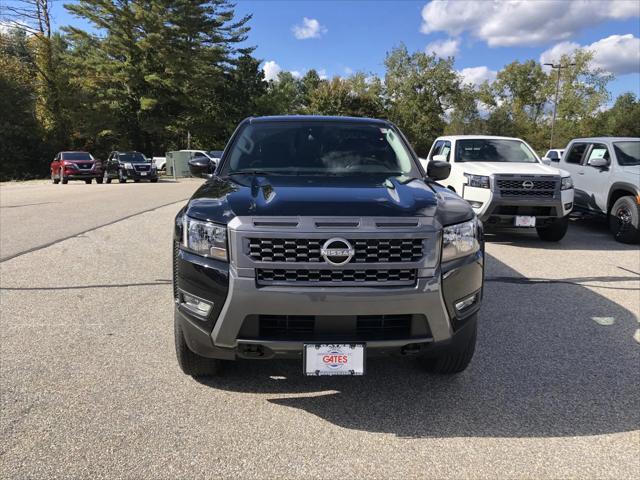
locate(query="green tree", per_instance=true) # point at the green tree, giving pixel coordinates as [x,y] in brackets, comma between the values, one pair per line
[162,67]
[621,120]
[419,90]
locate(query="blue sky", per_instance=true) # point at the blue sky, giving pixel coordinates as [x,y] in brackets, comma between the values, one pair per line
[346,36]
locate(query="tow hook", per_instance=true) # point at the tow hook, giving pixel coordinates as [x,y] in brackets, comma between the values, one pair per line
[252,351]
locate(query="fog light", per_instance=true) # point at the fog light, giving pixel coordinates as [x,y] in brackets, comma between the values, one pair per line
[475,204]
[567,206]
[465,303]
[195,305]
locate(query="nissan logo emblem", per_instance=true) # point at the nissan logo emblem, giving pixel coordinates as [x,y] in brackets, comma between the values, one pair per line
[528,184]
[337,251]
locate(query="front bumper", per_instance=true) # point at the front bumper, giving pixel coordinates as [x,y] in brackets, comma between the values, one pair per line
[135,175]
[491,208]
[237,299]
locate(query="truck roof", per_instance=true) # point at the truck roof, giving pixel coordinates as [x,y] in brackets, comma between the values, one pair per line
[605,139]
[462,137]
[315,118]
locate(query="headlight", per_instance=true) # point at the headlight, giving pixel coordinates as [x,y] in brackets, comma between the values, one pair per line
[128,166]
[205,238]
[460,240]
[567,183]
[479,181]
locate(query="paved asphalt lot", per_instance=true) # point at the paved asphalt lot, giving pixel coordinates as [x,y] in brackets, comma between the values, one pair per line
[90,386]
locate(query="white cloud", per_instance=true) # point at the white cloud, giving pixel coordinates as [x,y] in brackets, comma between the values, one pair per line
[522,22]
[271,70]
[618,54]
[310,28]
[476,76]
[348,71]
[296,73]
[322,73]
[443,48]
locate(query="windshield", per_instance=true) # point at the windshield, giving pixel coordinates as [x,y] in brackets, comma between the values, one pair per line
[133,157]
[627,153]
[494,150]
[76,156]
[318,148]
[215,153]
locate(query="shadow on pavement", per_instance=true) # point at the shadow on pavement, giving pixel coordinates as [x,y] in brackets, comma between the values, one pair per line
[545,366]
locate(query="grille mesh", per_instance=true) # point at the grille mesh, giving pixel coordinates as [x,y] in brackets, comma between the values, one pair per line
[514,188]
[308,250]
[336,276]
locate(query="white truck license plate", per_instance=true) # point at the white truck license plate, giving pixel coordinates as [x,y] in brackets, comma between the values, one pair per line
[144,174]
[525,221]
[333,359]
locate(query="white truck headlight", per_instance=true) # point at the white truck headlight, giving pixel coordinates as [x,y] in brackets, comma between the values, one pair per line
[478,181]
[204,238]
[566,183]
[460,240]
[128,166]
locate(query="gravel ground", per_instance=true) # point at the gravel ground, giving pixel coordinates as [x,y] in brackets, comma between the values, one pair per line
[90,386]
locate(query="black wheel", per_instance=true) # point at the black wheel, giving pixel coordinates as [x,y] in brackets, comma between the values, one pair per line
[63,179]
[154,180]
[624,220]
[456,359]
[106,178]
[87,181]
[121,177]
[99,179]
[191,363]
[554,232]
[54,179]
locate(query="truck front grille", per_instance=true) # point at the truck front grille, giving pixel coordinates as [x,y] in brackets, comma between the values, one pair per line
[142,168]
[335,277]
[303,250]
[361,327]
[524,187]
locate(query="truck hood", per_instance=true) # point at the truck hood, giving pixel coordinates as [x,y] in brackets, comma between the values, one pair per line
[510,168]
[221,199]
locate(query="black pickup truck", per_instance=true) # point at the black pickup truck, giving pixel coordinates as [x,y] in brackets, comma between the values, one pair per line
[321,238]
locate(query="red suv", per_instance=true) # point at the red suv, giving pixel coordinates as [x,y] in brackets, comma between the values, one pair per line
[75,166]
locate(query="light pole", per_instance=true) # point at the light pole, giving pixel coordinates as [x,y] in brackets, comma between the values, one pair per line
[558,67]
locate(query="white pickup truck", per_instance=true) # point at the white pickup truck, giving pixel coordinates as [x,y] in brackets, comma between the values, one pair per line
[506,183]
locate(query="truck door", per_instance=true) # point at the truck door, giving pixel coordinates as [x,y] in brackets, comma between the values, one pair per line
[572,163]
[595,179]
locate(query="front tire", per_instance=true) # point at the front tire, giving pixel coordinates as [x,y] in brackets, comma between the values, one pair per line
[54,180]
[456,359]
[624,220]
[191,363]
[554,232]
[106,178]
[121,177]
[63,179]
[87,181]
[99,179]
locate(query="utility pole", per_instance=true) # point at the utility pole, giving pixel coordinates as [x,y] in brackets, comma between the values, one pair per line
[188,140]
[557,67]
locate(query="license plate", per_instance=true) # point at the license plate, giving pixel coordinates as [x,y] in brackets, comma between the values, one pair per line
[334,359]
[144,174]
[525,221]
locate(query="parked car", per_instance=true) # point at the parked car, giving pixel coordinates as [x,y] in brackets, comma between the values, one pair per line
[129,165]
[321,239]
[160,163]
[553,155]
[606,171]
[73,165]
[197,154]
[506,184]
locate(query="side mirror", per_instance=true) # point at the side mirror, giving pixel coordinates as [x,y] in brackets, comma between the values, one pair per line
[438,170]
[200,167]
[439,158]
[598,162]
[546,160]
